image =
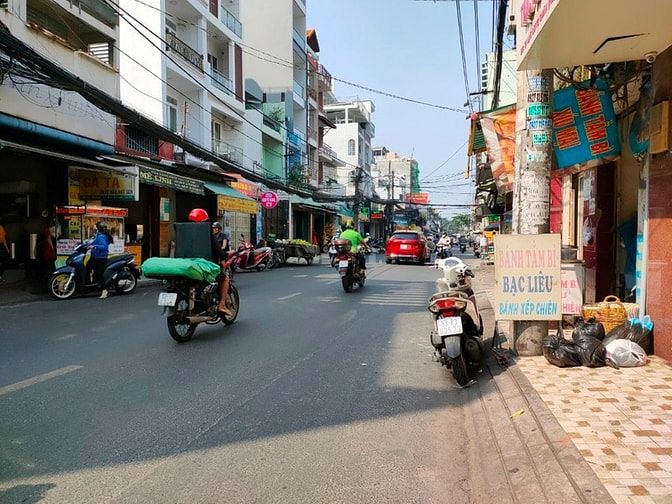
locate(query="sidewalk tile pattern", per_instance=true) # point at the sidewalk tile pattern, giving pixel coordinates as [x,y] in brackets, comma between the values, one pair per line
[619,419]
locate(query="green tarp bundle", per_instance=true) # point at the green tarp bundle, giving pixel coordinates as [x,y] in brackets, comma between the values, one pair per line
[196,269]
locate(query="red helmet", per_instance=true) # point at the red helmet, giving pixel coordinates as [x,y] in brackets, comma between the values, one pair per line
[198,215]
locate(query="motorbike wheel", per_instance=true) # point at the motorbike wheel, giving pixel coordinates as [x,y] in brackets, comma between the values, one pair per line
[57,284]
[126,282]
[460,372]
[262,265]
[179,330]
[347,283]
[361,284]
[234,301]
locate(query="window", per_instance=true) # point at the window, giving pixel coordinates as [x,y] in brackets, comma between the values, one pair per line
[351,147]
[172,114]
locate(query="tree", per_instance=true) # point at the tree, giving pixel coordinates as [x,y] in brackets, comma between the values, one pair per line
[460,223]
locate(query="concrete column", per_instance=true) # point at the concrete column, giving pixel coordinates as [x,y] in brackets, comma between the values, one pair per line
[232,63]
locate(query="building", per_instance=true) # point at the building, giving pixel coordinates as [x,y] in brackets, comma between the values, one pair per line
[612,207]
[508,80]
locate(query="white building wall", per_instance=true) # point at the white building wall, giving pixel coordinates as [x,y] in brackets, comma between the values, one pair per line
[507,88]
[66,111]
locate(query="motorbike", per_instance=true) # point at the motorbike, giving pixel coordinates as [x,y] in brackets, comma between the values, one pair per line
[250,258]
[333,254]
[120,274]
[187,303]
[443,251]
[463,248]
[348,266]
[458,327]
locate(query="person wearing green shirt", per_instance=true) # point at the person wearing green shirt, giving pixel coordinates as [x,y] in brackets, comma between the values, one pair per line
[356,240]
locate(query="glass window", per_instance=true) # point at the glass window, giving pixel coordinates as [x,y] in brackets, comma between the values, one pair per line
[351,147]
[172,114]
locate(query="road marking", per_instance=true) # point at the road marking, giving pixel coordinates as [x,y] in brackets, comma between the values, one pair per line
[301,276]
[38,379]
[283,298]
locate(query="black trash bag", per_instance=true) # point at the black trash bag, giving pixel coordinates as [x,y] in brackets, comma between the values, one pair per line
[633,332]
[560,352]
[590,350]
[590,327]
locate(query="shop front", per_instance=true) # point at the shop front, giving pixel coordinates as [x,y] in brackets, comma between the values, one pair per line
[236,212]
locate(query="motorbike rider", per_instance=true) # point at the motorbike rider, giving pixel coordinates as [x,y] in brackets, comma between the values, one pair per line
[220,247]
[444,241]
[356,240]
[100,249]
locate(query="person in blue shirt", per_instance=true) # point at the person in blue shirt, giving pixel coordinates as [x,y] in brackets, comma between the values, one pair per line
[100,249]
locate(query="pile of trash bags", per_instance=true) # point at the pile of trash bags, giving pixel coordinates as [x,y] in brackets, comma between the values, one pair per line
[624,346]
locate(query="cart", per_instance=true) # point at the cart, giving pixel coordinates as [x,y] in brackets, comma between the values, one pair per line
[285,251]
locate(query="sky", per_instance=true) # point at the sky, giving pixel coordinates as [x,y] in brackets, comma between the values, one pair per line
[409,48]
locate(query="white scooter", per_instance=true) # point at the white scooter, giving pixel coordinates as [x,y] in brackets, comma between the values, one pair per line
[458,327]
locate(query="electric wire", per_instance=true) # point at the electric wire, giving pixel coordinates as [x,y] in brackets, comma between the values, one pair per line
[463,53]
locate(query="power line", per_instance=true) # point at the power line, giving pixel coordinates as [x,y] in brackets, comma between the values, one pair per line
[449,158]
[463,53]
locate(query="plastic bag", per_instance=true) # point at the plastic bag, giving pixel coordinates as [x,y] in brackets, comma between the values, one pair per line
[589,349]
[560,352]
[635,330]
[590,327]
[625,353]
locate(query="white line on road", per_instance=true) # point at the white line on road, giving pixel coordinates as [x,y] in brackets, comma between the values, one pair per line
[283,298]
[38,379]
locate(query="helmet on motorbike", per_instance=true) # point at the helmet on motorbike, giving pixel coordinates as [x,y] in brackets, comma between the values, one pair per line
[198,215]
[216,225]
[349,225]
[101,227]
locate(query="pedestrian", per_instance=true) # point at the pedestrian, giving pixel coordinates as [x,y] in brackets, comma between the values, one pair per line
[5,256]
[100,249]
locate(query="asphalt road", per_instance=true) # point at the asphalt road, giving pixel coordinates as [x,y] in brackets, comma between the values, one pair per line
[313,395]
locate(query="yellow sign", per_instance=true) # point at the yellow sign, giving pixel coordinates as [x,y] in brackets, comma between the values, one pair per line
[229,204]
[94,185]
[527,277]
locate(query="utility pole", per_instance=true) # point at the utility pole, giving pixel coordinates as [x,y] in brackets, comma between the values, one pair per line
[531,202]
[358,197]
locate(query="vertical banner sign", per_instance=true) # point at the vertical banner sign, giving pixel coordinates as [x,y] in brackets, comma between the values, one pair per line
[527,277]
[584,124]
[499,130]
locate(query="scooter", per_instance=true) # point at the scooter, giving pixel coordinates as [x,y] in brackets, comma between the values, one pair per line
[443,251]
[250,258]
[463,248]
[121,274]
[348,266]
[458,327]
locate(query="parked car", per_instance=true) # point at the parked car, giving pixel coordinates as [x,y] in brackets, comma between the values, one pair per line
[406,246]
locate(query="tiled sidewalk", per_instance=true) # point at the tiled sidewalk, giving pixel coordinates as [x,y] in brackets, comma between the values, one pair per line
[620,420]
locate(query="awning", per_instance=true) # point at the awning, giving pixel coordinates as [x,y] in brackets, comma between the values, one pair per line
[312,204]
[230,200]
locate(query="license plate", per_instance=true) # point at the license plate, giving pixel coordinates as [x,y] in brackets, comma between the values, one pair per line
[449,326]
[342,264]
[167,299]
[404,247]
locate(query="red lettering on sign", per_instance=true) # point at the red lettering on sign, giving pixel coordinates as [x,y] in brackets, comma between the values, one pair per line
[562,118]
[596,129]
[567,138]
[589,101]
[600,148]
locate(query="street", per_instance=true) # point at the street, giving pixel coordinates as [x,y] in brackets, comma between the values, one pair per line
[313,395]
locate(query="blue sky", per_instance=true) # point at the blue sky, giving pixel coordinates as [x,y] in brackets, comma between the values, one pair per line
[410,48]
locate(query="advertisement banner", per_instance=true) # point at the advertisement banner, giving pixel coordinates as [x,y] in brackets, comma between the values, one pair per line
[239,205]
[584,125]
[528,277]
[417,198]
[247,188]
[162,178]
[499,129]
[90,185]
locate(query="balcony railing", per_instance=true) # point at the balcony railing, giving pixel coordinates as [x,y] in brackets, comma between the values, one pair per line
[230,21]
[221,82]
[300,39]
[328,152]
[311,132]
[298,89]
[324,77]
[183,49]
[227,151]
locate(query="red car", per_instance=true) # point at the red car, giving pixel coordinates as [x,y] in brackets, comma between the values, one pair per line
[406,246]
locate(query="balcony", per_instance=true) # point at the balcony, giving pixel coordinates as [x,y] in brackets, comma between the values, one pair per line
[230,21]
[295,139]
[183,49]
[329,156]
[227,151]
[221,82]
[324,78]
[300,40]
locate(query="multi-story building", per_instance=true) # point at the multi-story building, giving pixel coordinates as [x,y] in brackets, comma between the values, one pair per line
[278,28]
[508,80]
[394,176]
[351,140]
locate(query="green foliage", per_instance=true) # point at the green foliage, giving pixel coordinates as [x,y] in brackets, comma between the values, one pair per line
[460,223]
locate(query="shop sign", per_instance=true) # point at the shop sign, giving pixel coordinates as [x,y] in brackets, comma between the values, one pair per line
[377,216]
[238,205]
[249,189]
[499,128]
[528,277]
[97,185]
[269,200]
[572,295]
[92,210]
[401,220]
[164,209]
[417,198]
[170,180]
[584,124]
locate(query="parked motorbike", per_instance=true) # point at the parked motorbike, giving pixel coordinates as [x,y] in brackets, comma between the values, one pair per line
[250,258]
[121,274]
[348,266]
[458,327]
[188,303]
